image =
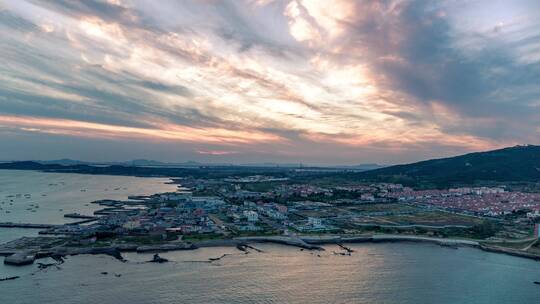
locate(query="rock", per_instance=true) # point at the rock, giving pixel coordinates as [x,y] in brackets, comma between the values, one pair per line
[158,259]
[20,258]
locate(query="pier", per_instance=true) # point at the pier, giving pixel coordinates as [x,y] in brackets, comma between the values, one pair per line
[79,216]
[27,225]
[83,218]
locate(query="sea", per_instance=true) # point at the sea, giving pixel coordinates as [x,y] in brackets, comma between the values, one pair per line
[373,273]
[43,198]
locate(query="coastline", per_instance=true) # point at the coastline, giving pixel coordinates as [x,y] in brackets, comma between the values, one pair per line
[304,242]
[316,241]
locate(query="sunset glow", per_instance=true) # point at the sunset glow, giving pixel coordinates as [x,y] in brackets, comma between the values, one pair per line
[326,82]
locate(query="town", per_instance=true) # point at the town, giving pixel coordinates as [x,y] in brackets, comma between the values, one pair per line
[203,209]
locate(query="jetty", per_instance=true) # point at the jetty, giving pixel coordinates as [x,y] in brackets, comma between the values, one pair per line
[79,216]
[27,225]
[83,221]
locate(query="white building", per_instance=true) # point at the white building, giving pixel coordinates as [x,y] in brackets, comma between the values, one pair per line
[251,216]
[276,214]
[181,196]
[533,214]
[367,197]
[315,222]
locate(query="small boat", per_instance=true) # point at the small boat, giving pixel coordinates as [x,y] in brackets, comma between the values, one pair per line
[537,282]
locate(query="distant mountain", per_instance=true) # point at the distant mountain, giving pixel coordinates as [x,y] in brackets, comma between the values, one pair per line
[189,164]
[364,167]
[130,163]
[148,171]
[26,165]
[519,163]
[270,164]
[63,162]
[144,162]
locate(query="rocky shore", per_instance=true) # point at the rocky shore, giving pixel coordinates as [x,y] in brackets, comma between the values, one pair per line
[24,257]
[510,251]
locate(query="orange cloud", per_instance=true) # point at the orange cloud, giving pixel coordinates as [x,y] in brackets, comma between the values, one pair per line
[163,132]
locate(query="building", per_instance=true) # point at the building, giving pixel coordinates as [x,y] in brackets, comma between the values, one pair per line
[251,216]
[132,224]
[276,215]
[281,208]
[248,227]
[533,214]
[315,222]
[367,197]
[181,196]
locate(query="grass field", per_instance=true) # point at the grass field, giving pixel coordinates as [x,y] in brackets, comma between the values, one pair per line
[434,218]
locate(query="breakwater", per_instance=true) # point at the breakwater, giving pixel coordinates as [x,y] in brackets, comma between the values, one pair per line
[305,242]
[27,225]
[385,238]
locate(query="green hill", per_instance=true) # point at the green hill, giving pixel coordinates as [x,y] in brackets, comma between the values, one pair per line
[519,163]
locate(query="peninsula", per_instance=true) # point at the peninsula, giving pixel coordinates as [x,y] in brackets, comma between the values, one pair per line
[304,207]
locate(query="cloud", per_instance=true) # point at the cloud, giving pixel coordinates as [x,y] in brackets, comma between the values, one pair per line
[307,76]
[159,132]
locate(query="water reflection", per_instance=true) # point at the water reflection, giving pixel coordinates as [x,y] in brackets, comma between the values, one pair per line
[375,273]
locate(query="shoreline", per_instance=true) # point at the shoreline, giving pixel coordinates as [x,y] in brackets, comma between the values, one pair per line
[304,242]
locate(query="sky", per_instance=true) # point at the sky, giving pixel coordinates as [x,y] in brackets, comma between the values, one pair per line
[295,81]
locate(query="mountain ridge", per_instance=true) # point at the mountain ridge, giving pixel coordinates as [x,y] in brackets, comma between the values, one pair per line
[518,163]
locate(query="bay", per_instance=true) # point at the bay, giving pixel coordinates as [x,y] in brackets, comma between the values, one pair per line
[375,273]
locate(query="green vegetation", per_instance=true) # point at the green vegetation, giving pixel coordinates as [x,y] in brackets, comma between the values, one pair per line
[143,240]
[518,163]
[202,237]
[434,218]
[382,207]
[256,233]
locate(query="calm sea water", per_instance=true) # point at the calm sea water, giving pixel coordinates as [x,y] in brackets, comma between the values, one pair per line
[44,198]
[375,273]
